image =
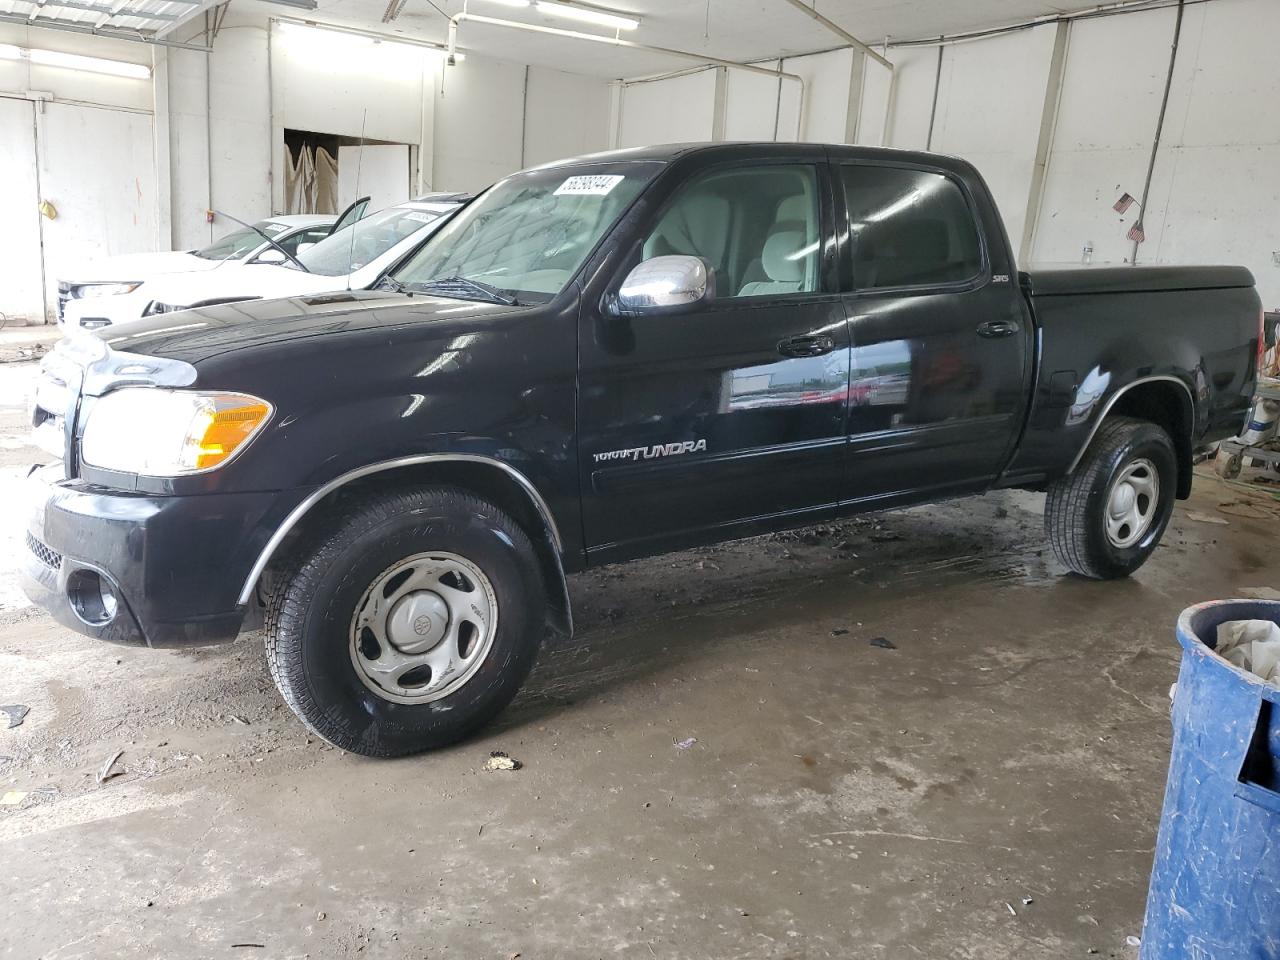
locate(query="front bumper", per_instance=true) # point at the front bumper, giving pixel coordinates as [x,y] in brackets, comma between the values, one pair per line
[101,311]
[138,569]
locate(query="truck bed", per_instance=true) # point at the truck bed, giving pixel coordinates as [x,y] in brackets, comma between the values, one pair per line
[1188,333]
[1058,281]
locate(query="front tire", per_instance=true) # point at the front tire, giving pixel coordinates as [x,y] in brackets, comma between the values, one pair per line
[408,623]
[1104,519]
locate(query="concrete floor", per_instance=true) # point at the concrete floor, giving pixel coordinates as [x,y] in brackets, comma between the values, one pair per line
[840,800]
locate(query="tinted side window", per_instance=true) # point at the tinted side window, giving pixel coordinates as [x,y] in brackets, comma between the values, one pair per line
[908,228]
[304,236]
[757,226]
[312,236]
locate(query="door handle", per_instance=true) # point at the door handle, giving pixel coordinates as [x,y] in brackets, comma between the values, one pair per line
[807,345]
[998,328]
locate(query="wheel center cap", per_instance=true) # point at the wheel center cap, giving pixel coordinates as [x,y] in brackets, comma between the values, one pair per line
[1122,500]
[417,622]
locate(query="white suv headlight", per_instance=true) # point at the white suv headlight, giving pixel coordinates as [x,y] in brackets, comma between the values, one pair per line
[105,289]
[168,433]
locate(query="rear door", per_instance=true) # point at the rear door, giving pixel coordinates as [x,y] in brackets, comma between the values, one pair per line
[940,343]
[703,423]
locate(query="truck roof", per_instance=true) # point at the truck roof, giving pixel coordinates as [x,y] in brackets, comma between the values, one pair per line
[666,152]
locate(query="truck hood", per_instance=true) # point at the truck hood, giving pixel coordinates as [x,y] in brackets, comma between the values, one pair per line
[136,266]
[240,281]
[195,335]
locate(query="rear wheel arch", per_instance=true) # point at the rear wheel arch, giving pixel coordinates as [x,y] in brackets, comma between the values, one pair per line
[497,482]
[1165,401]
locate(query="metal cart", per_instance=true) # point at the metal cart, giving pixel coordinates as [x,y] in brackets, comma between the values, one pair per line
[1232,453]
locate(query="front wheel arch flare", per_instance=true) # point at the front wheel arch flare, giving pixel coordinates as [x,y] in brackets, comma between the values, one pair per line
[480,475]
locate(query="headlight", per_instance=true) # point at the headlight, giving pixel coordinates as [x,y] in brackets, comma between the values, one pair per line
[168,433]
[104,289]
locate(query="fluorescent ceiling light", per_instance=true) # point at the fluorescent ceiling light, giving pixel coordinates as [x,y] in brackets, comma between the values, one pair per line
[71,61]
[573,11]
[336,37]
[587,14]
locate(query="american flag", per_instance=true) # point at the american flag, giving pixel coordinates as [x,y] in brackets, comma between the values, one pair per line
[1136,233]
[1123,204]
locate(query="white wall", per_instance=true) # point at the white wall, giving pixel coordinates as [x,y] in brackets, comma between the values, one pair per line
[479,117]
[1215,192]
[754,106]
[1102,142]
[18,77]
[990,101]
[676,110]
[915,75]
[566,115]
[751,102]
[1215,196]
[829,112]
[468,123]
[189,184]
[89,142]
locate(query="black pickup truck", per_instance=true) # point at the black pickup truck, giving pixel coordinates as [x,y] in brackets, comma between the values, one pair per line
[600,359]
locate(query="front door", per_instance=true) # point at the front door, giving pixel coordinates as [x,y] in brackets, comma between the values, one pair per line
[940,339]
[729,418]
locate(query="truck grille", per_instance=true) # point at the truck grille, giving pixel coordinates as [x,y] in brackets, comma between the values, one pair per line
[50,558]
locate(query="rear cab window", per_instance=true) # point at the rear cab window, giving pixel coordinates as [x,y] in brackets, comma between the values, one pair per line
[908,228]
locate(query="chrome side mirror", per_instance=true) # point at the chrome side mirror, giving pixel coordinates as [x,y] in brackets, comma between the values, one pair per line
[666,285]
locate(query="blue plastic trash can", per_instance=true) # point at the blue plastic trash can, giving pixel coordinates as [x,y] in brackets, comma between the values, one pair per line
[1215,884]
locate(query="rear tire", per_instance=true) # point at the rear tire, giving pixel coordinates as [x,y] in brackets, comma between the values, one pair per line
[408,622]
[1104,519]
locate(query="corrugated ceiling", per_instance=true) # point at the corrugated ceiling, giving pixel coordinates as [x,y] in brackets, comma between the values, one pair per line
[148,17]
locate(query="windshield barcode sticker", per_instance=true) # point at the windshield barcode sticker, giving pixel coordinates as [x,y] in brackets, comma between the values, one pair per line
[591,186]
[420,217]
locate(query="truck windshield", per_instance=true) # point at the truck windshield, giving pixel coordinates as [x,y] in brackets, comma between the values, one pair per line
[526,237]
[355,246]
[237,243]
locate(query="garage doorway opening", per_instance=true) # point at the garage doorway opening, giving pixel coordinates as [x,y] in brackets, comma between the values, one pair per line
[325,172]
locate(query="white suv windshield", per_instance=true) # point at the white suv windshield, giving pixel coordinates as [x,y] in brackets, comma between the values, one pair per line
[237,243]
[527,236]
[355,246]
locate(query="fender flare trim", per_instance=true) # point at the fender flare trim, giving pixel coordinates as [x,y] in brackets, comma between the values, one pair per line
[1097,424]
[295,516]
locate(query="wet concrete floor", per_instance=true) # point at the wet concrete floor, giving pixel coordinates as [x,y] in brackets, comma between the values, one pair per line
[988,788]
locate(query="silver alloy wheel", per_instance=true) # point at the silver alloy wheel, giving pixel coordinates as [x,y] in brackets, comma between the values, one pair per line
[1132,503]
[423,628]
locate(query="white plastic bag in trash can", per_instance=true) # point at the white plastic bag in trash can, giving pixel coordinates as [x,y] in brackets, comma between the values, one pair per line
[1252,645]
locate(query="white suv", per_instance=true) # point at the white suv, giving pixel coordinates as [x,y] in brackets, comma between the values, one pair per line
[113,289]
[353,258]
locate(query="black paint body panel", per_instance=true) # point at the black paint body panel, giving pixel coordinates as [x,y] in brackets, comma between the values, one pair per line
[364,377]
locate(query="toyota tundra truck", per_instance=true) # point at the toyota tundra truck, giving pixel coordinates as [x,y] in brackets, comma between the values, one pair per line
[596,360]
